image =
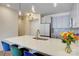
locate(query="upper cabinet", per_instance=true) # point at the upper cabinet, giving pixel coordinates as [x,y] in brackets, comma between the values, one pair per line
[61,21]
[75,15]
[46,20]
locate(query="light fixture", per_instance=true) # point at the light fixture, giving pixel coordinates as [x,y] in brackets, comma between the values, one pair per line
[31,14]
[33,9]
[8,5]
[54,4]
[20,13]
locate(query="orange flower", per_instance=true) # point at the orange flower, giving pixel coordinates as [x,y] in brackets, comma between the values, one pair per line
[65,36]
[70,32]
[76,37]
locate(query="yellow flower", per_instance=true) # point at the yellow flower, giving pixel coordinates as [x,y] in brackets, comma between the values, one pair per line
[72,35]
[68,34]
[62,33]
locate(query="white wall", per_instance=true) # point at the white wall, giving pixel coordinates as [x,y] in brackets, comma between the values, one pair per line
[8,23]
[27,26]
[21,26]
[31,26]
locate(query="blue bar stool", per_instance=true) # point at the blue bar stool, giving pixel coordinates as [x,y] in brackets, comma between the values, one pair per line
[15,51]
[22,50]
[6,48]
[28,54]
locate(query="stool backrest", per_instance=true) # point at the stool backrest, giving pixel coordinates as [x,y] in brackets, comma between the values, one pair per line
[6,46]
[15,51]
[22,50]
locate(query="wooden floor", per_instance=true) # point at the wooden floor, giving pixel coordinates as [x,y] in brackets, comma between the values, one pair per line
[1,53]
[6,54]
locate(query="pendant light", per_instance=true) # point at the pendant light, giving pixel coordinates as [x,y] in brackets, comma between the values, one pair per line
[20,13]
[31,12]
[33,9]
[8,5]
[55,4]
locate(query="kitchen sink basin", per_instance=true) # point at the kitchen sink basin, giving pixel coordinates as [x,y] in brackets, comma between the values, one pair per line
[39,38]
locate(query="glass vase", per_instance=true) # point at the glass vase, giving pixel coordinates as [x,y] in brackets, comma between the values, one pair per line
[68,49]
[77,43]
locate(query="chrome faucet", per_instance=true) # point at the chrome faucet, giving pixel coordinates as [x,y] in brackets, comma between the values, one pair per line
[37,33]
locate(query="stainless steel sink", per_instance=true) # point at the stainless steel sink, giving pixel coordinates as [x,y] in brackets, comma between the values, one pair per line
[39,38]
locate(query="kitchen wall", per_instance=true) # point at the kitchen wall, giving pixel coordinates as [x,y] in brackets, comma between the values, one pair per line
[21,26]
[8,23]
[27,26]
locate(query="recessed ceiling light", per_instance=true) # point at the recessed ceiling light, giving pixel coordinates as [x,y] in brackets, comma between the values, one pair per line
[8,5]
[55,4]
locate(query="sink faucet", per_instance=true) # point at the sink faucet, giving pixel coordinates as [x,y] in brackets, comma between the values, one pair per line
[37,33]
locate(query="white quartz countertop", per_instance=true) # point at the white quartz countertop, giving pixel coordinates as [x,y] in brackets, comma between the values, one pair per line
[52,46]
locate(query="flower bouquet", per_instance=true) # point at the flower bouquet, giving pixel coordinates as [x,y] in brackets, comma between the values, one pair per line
[68,38]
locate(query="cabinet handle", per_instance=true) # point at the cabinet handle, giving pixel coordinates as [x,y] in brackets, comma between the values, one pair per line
[71,22]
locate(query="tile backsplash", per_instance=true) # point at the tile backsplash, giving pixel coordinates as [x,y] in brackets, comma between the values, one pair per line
[55,32]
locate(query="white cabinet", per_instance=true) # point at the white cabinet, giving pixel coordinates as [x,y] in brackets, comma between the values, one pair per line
[46,20]
[75,15]
[45,29]
[42,29]
[62,21]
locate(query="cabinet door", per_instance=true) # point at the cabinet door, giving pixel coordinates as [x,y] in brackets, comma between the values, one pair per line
[75,15]
[45,29]
[54,23]
[43,20]
[42,29]
[46,20]
[61,21]
[65,22]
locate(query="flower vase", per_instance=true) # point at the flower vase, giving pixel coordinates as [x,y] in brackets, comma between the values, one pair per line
[68,49]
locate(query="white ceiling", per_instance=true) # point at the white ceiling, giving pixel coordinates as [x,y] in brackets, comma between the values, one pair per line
[42,8]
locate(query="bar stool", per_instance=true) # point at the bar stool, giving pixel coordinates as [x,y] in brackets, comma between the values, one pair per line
[28,54]
[14,45]
[6,48]
[15,51]
[22,50]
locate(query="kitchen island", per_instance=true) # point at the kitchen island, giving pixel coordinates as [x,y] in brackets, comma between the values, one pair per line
[52,46]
